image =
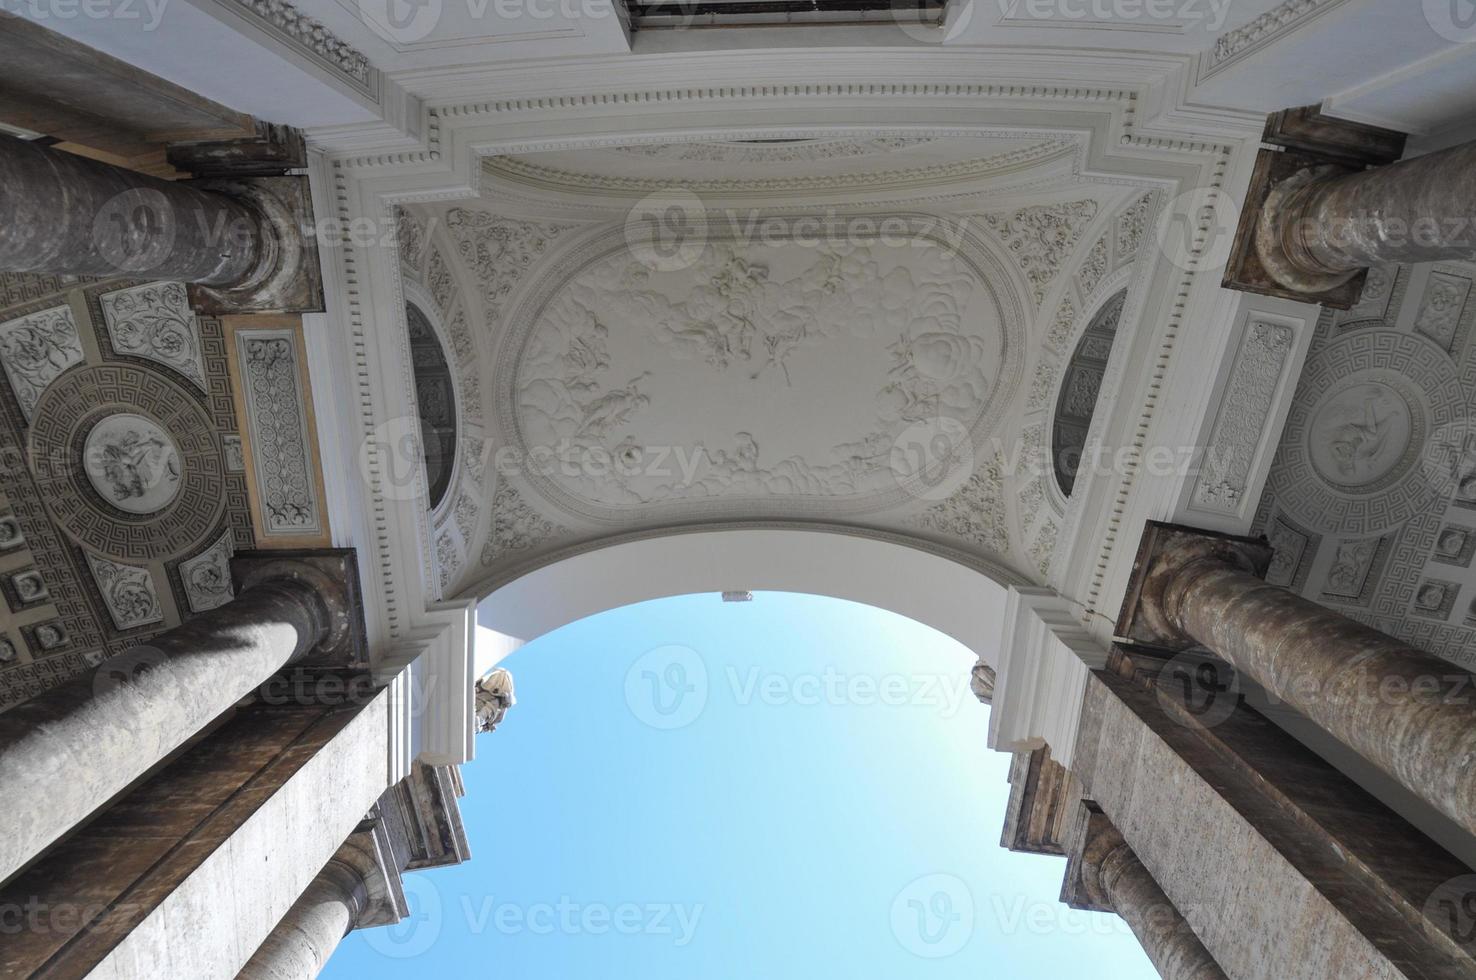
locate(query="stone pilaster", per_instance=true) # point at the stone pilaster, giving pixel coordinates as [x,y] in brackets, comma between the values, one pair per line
[66,752]
[1105,875]
[1411,714]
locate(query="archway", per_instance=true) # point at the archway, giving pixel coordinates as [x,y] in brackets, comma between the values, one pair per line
[960,600]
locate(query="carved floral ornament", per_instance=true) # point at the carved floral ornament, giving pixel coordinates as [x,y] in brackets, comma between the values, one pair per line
[771,377]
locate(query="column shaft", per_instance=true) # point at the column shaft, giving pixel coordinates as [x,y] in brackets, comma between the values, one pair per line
[71,749]
[63,214]
[1321,227]
[299,947]
[1409,713]
[1164,933]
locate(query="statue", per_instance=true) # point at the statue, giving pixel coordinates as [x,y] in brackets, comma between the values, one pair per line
[494,695]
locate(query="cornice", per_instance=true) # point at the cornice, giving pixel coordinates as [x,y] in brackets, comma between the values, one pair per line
[517,169]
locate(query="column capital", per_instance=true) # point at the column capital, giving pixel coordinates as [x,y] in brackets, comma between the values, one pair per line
[333,576]
[1166,553]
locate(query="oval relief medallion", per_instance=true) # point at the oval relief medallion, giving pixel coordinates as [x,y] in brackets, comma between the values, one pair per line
[132,463]
[781,371]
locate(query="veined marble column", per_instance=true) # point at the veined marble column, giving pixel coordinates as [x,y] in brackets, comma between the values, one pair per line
[299,947]
[1112,877]
[63,214]
[1411,714]
[68,751]
[1321,226]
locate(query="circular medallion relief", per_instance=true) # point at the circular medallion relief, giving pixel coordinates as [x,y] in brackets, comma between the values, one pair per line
[128,462]
[1360,435]
[132,463]
[1371,407]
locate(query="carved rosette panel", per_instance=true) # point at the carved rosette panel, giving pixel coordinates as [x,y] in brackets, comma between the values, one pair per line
[276,414]
[35,349]
[127,591]
[69,413]
[154,321]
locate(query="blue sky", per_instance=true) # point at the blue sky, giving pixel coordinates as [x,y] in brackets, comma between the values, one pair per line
[795,787]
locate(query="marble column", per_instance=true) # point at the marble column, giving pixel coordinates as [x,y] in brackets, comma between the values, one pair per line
[1323,225]
[68,751]
[1411,714]
[63,214]
[1112,877]
[299,947]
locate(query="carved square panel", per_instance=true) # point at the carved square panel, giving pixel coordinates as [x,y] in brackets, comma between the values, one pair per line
[1445,311]
[1354,574]
[1434,598]
[1295,547]
[24,589]
[1455,545]
[11,536]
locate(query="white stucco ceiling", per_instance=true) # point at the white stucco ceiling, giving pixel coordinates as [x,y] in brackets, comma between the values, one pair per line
[660,359]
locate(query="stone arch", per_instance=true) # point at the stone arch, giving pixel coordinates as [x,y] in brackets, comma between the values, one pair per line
[960,599]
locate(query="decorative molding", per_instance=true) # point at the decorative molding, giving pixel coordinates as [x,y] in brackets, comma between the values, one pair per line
[1266,29]
[35,349]
[206,578]
[787,151]
[277,433]
[520,168]
[286,22]
[1240,426]
[976,511]
[516,526]
[1041,236]
[1045,657]
[154,321]
[127,592]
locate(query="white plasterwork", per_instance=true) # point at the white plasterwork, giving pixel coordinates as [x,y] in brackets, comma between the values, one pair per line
[1045,657]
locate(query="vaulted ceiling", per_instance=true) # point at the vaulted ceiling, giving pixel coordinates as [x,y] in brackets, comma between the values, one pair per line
[870,332]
